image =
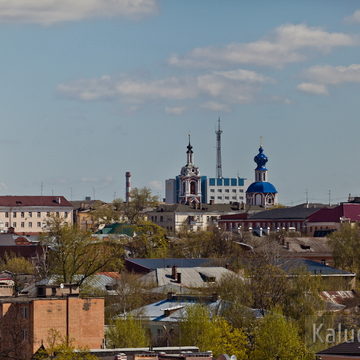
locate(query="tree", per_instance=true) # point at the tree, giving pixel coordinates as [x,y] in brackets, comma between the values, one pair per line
[150,241]
[345,244]
[277,339]
[126,333]
[215,333]
[75,255]
[60,348]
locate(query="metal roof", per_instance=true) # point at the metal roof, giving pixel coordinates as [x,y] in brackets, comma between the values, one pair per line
[152,264]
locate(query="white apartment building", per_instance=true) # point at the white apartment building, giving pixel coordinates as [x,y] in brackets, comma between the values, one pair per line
[29,214]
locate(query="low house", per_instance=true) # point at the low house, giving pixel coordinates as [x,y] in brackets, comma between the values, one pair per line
[27,246]
[143,266]
[192,277]
[344,351]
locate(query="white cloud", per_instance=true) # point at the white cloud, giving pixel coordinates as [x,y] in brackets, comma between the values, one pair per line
[317,89]
[354,17]
[281,99]
[215,106]
[287,44]
[236,86]
[328,74]
[48,12]
[175,110]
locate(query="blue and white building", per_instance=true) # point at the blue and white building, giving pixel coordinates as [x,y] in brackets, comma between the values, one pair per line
[261,192]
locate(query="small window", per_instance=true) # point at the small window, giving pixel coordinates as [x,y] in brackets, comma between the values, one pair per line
[39,224]
[22,214]
[25,312]
[30,224]
[234,190]
[57,214]
[65,214]
[219,190]
[30,214]
[212,190]
[7,224]
[48,213]
[22,224]
[14,224]
[234,197]
[24,333]
[226,198]
[212,197]
[6,214]
[14,214]
[220,197]
[241,190]
[227,190]
[38,214]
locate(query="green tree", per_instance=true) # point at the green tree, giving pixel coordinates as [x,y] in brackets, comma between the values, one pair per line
[128,332]
[216,334]
[75,254]
[60,348]
[277,339]
[150,241]
[16,265]
[345,244]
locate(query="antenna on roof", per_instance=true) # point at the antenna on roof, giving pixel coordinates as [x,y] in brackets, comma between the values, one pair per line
[41,188]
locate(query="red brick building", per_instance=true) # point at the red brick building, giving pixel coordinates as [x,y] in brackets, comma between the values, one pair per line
[25,322]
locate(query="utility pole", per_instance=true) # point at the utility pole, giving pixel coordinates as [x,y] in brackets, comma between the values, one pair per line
[218,133]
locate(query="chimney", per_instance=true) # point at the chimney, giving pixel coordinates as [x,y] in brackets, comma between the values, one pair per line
[59,200]
[173,272]
[178,278]
[127,186]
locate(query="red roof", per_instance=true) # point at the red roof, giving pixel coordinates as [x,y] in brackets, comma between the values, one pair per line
[19,201]
[346,210]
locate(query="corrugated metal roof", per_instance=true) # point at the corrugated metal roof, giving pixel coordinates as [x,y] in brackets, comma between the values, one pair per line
[152,264]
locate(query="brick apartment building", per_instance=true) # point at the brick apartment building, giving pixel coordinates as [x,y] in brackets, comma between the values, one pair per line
[25,321]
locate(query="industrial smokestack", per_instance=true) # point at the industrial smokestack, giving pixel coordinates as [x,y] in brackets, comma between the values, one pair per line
[128,186]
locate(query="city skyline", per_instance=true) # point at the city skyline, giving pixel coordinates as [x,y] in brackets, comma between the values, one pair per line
[92,91]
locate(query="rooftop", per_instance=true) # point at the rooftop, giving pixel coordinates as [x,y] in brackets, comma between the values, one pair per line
[21,201]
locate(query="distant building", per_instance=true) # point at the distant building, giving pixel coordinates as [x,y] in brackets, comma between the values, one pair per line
[344,351]
[29,214]
[197,217]
[25,321]
[261,192]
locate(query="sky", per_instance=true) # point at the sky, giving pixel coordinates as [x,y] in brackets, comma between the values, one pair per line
[91,89]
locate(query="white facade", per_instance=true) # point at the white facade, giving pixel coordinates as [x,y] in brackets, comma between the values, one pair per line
[22,213]
[226,190]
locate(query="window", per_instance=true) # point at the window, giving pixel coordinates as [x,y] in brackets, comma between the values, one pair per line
[227,190]
[219,190]
[24,333]
[212,190]
[14,214]
[48,213]
[30,214]
[39,224]
[57,214]
[24,312]
[234,190]
[241,190]
[234,197]
[14,224]
[38,214]
[30,224]
[226,198]
[65,214]
[22,214]
[6,214]
[161,218]
[7,224]
[220,197]
[22,224]
[212,197]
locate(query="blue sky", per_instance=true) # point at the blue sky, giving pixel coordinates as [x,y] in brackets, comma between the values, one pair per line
[95,89]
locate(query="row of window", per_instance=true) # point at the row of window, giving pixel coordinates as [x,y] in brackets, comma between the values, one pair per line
[226,198]
[22,224]
[30,214]
[226,190]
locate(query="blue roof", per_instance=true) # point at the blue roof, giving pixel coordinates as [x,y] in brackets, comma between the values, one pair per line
[313,267]
[261,187]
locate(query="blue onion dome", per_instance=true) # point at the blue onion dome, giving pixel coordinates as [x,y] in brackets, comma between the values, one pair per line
[262,187]
[261,159]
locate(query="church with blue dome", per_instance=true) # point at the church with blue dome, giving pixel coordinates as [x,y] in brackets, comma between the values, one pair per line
[261,192]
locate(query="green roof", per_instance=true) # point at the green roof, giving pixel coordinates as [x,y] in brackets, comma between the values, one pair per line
[118,228]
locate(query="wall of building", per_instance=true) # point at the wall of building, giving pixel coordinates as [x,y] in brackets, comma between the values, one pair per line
[31,219]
